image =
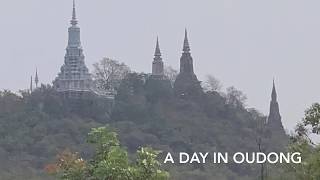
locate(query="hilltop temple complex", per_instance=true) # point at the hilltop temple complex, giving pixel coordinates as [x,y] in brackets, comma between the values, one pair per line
[75,81]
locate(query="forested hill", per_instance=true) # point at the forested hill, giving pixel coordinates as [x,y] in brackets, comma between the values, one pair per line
[35,127]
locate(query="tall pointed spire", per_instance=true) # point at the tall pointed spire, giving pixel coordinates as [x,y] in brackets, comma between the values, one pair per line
[157,51]
[36,79]
[186,61]
[274,123]
[74,31]
[274,92]
[157,64]
[31,85]
[186,46]
[187,83]
[74,20]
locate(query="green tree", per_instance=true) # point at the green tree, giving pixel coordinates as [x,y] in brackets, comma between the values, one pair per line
[110,162]
[312,117]
[108,74]
[148,167]
[69,166]
[171,74]
[211,83]
[235,97]
[309,168]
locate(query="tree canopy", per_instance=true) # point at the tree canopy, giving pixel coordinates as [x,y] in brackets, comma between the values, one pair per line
[110,161]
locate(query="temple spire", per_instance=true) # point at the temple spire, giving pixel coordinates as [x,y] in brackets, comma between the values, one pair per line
[186,46]
[274,123]
[74,79]
[74,20]
[31,85]
[274,92]
[36,79]
[157,51]
[157,64]
[74,31]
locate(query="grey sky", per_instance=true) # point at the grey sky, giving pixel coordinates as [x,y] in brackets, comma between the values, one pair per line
[244,43]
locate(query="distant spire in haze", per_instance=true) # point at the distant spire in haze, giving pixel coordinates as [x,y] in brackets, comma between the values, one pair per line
[36,79]
[274,92]
[31,85]
[274,123]
[74,20]
[157,51]
[157,64]
[186,46]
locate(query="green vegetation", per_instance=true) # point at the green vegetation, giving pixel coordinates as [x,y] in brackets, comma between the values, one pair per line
[35,127]
[310,152]
[109,162]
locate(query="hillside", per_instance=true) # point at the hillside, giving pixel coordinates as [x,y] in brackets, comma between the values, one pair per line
[35,127]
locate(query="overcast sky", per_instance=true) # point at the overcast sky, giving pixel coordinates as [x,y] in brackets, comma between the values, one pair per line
[244,43]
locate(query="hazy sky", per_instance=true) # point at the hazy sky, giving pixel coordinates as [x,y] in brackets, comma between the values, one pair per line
[244,43]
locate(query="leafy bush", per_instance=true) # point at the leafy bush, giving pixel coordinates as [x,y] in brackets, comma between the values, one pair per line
[110,161]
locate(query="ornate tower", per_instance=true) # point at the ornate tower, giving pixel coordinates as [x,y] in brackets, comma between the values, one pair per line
[157,64]
[158,86]
[277,139]
[36,78]
[31,85]
[74,78]
[274,123]
[187,83]
[186,61]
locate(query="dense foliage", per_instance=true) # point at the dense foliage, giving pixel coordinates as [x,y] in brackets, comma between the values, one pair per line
[108,74]
[310,152]
[110,161]
[35,127]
